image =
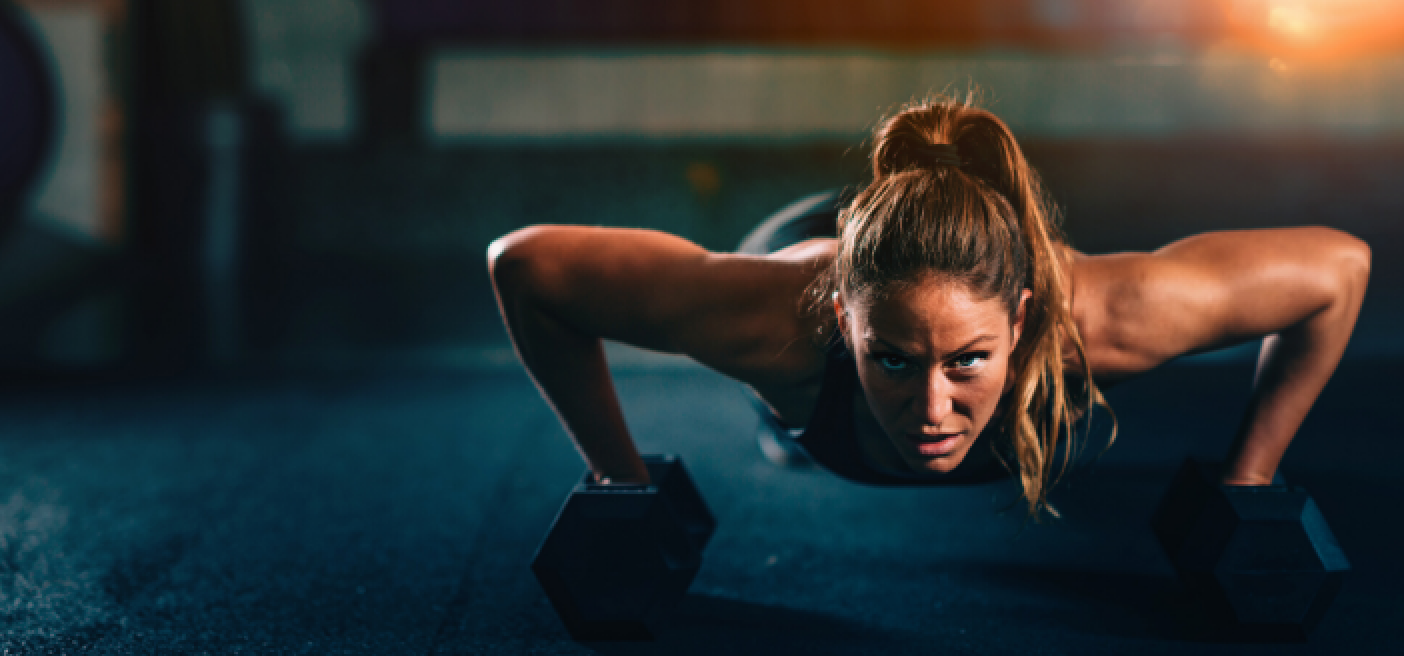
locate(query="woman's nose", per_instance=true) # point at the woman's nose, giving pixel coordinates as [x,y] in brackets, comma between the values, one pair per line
[938,400]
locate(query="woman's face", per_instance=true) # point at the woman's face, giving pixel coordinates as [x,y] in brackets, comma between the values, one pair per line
[933,359]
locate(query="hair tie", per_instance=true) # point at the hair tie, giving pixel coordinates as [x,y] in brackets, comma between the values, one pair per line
[939,154]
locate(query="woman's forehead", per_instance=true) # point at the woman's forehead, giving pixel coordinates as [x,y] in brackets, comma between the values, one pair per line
[942,309]
[931,294]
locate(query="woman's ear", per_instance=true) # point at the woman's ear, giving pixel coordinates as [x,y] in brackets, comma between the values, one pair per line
[1016,327]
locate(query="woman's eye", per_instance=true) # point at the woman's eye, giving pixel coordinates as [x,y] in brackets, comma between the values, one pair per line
[892,362]
[969,360]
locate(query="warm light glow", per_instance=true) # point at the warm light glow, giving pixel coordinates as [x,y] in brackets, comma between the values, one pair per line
[1292,21]
[1302,30]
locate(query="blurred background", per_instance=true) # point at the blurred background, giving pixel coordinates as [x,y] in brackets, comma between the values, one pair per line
[215,185]
[255,394]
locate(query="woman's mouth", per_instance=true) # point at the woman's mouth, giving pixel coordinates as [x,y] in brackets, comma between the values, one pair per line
[939,444]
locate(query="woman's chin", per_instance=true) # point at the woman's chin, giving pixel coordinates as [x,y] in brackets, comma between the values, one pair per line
[942,464]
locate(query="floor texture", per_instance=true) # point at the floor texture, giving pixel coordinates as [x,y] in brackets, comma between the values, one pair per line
[397,513]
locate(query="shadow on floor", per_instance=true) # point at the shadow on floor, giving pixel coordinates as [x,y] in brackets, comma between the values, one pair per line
[704,624]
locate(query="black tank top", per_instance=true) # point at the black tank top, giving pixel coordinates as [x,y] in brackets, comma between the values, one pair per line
[831,438]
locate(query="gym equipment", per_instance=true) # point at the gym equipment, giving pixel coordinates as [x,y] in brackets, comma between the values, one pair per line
[618,556]
[813,216]
[1260,558]
[27,113]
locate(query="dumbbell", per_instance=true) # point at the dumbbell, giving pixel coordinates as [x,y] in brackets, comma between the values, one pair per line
[1260,559]
[619,557]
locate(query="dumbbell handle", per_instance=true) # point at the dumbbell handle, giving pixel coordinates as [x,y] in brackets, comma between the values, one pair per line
[592,479]
[604,484]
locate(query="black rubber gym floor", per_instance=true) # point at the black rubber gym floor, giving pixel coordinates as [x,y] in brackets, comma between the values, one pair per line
[397,513]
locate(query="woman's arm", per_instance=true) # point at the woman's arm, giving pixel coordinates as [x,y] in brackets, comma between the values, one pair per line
[1300,288]
[1295,362]
[562,289]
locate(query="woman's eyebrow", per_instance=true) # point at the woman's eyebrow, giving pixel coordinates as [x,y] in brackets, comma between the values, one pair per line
[872,339]
[967,346]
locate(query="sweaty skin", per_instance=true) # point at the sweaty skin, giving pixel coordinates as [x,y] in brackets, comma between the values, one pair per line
[562,289]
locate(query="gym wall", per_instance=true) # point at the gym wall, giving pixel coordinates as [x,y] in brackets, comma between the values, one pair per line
[381,145]
[435,136]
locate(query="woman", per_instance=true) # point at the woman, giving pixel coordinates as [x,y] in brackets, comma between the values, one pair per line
[947,334]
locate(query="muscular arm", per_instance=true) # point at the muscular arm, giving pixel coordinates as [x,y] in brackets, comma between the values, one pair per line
[1300,288]
[562,289]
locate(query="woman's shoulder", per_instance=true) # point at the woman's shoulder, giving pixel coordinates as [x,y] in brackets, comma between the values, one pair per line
[795,317]
[794,358]
[1108,291]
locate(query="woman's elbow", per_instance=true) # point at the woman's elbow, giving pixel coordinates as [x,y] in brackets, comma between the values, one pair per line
[1351,257]
[1359,256]
[510,257]
[1343,267]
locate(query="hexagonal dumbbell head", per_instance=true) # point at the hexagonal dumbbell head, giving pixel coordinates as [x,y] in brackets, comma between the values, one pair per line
[619,557]
[1260,557]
